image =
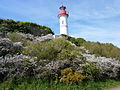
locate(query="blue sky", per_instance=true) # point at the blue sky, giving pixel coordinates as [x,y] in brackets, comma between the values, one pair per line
[93,20]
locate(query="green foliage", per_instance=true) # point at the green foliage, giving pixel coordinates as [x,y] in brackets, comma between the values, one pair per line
[97,48]
[15,37]
[70,55]
[65,54]
[91,71]
[76,41]
[103,49]
[72,39]
[8,25]
[79,41]
[54,49]
[70,76]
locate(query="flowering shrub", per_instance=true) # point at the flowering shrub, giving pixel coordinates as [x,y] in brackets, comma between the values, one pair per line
[70,76]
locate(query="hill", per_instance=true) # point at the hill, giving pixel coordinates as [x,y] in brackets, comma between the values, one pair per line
[39,61]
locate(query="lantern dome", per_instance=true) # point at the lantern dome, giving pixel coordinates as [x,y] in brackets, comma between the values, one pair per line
[63,11]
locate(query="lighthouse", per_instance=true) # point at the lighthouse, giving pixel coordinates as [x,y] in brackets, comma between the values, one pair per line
[63,20]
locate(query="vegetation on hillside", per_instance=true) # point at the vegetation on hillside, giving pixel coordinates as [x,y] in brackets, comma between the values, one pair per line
[8,25]
[76,41]
[97,48]
[58,49]
[51,63]
[103,49]
[53,50]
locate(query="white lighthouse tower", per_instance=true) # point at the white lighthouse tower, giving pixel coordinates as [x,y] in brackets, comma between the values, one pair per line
[63,16]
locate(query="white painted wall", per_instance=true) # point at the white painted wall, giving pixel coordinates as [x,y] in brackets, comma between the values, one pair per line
[63,24]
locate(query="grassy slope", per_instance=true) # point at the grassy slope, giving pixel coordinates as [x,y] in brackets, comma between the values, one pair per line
[100,49]
[103,49]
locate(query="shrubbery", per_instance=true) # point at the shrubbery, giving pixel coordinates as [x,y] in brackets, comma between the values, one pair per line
[97,48]
[69,55]
[76,41]
[15,37]
[8,25]
[70,76]
[55,49]
[103,49]
[91,71]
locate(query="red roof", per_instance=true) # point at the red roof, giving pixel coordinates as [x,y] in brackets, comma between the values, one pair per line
[63,12]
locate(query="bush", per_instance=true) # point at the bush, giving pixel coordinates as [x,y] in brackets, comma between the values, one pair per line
[65,54]
[103,49]
[70,55]
[70,76]
[15,37]
[17,67]
[79,41]
[91,71]
[76,41]
[55,49]
[49,49]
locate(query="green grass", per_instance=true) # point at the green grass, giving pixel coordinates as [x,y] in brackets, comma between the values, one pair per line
[38,84]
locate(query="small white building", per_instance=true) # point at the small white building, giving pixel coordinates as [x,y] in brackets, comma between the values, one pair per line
[63,16]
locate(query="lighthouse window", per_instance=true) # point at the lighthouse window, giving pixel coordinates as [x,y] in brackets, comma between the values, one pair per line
[62,22]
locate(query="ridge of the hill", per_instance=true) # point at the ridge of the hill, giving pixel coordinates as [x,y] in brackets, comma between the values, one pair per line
[9,25]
